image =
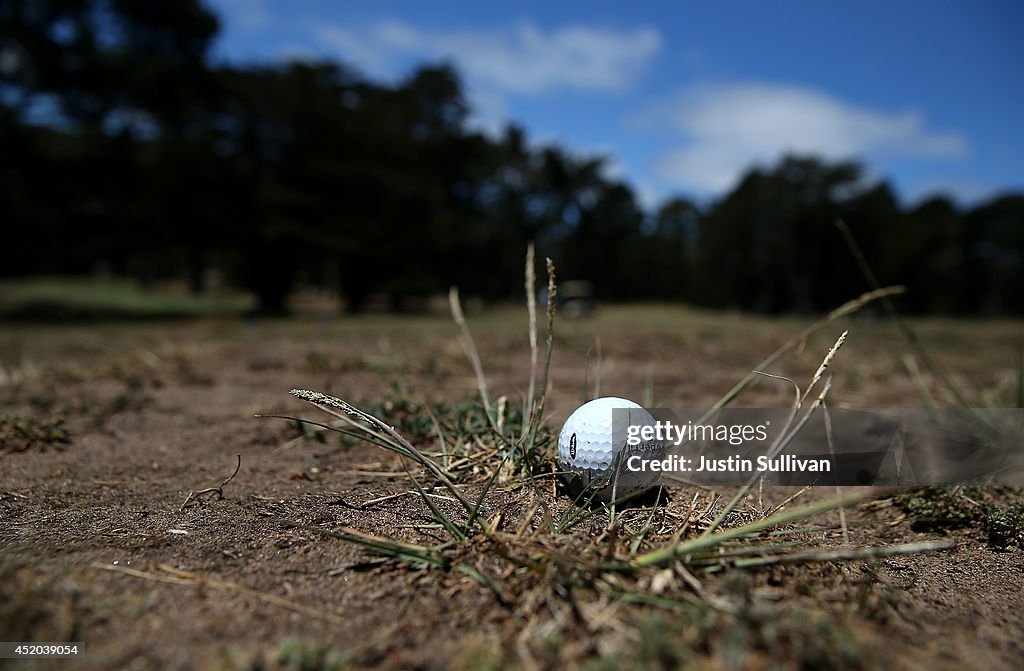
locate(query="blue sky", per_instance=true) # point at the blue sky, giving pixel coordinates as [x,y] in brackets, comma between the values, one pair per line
[683,97]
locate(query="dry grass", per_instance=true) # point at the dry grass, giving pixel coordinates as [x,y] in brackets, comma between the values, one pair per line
[551,553]
[451,542]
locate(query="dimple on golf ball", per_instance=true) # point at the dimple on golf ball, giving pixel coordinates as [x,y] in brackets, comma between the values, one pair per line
[588,447]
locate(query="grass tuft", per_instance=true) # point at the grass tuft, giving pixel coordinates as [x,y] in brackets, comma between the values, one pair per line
[566,567]
[968,507]
[19,433]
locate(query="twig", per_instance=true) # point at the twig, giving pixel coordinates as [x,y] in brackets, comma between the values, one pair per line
[792,497]
[193,497]
[382,499]
[145,575]
[677,537]
[848,553]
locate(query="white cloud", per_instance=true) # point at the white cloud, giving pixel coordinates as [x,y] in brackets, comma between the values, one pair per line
[250,14]
[522,59]
[729,127]
[611,166]
[489,110]
[650,197]
[355,47]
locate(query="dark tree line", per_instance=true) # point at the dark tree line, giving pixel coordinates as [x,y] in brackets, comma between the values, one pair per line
[123,146]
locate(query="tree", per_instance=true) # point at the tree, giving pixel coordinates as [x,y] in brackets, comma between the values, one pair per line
[670,260]
[770,244]
[602,247]
[99,84]
[287,138]
[992,245]
[933,257]
[124,143]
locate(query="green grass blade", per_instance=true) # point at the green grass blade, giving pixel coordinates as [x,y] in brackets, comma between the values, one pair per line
[707,543]
[381,546]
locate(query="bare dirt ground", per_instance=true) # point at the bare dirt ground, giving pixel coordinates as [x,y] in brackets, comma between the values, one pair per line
[110,427]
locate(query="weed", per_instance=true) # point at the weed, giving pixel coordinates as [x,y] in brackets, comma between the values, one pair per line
[19,433]
[1006,527]
[961,507]
[937,505]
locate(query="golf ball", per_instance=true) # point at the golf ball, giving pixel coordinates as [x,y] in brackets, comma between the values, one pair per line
[588,447]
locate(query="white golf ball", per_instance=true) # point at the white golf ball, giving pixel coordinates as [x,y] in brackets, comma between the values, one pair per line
[587,448]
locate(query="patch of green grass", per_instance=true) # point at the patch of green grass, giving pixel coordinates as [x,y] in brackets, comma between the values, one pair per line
[941,506]
[306,656]
[461,422]
[1006,527]
[961,507]
[478,654]
[85,297]
[21,433]
[288,655]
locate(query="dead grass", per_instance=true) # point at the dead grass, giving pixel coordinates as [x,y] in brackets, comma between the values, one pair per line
[536,581]
[586,553]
